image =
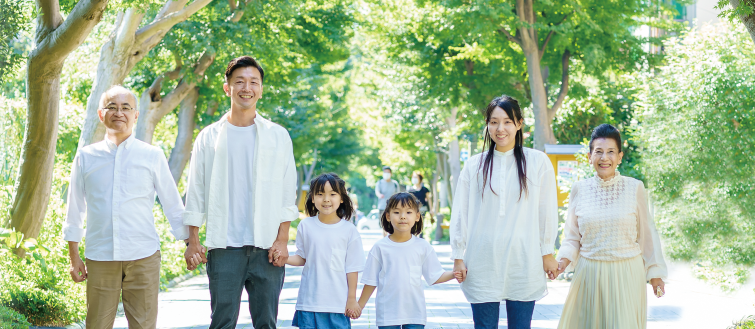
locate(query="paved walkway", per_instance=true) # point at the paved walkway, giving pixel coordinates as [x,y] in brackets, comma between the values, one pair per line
[689,303]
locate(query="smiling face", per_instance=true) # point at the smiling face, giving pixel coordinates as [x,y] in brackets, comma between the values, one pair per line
[605,156]
[503,129]
[403,218]
[327,201]
[118,112]
[244,86]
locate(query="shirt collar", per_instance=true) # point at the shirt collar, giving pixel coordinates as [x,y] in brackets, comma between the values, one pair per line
[509,152]
[125,143]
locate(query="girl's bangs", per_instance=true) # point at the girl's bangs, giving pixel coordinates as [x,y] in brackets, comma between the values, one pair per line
[318,184]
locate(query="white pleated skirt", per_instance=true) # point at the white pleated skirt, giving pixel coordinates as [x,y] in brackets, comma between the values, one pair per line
[606,294]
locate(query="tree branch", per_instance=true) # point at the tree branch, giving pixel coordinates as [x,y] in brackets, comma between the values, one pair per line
[167,22]
[550,34]
[74,30]
[749,20]
[564,83]
[48,20]
[170,6]
[175,96]
[508,35]
[238,14]
[232,4]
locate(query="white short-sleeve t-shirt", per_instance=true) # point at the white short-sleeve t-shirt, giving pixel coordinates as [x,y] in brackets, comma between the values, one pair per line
[330,251]
[240,206]
[396,270]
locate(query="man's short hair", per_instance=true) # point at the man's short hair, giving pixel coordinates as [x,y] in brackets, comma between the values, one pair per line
[115,90]
[241,62]
[387,167]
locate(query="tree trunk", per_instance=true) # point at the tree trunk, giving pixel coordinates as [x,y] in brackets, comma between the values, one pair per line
[299,177]
[438,218]
[311,170]
[454,156]
[527,38]
[153,107]
[55,40]
[749,20]
[127,45]
[181,152]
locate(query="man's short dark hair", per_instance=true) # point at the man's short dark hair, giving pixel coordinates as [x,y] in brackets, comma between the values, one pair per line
[241,62]
[388,168]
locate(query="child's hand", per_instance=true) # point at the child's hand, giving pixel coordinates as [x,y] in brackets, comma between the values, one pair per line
[458,276]
[276,255]
[353,310]
[550,266]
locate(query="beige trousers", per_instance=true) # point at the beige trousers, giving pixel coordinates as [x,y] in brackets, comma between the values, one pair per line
[138,280]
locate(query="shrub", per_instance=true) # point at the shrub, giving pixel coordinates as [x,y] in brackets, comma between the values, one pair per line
[10,319]
[698,130]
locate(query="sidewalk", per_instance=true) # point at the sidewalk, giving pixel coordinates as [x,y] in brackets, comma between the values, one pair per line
[689,303]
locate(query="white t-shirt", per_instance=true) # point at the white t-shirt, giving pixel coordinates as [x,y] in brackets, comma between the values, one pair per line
[240,206]
[331,251]
[396,270]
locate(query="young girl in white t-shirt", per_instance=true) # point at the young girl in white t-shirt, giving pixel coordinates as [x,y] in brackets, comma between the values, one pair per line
[330,249]
[396,264]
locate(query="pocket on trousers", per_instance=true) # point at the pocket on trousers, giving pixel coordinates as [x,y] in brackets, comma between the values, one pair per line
[415,273]
[338,260]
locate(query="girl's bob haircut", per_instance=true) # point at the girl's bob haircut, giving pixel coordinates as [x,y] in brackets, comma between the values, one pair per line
[402,199]
[317,185]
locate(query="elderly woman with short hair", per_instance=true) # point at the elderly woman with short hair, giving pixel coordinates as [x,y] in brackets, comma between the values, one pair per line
[611,236]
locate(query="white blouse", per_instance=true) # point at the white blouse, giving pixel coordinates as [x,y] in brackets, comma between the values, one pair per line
[610,221]
[500,237]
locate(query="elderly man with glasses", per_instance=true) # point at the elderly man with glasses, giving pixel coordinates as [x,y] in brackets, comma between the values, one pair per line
[114,183]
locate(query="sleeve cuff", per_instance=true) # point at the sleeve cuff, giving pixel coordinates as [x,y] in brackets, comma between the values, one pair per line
[73,234]
[565,252]
[435,277]
[194,218]
[373,283]
[547,250]
[300,254]
[656,272]
[457,253]
[355,269]
[181,233]
[289,213]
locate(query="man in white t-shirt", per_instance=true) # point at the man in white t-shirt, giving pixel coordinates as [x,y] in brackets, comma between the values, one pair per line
[242,184]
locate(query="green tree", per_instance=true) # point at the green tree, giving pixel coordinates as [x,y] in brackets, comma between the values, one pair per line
[742,9]
[698,132]
[55,39]
[14,19]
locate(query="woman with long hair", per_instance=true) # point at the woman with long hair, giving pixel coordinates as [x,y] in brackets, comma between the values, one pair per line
[611,237]
[504,222]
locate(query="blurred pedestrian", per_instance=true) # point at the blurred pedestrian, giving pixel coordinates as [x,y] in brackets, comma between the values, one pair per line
[384,189]
[422,194]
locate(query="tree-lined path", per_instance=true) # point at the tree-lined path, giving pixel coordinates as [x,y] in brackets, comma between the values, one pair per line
[689,303]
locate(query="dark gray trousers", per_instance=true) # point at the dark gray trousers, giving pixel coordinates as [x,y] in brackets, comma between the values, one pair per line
[231,270]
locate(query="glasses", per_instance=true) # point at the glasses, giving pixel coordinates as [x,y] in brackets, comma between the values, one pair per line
[114,109]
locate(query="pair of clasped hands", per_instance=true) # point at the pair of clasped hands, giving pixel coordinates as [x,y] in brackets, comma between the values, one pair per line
[196,254]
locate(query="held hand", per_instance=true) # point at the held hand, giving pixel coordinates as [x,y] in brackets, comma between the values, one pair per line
[562,265]
[352,308]
[281,249]
[550,266]
[460,270]
[194,255]
[659,287]
[78,270]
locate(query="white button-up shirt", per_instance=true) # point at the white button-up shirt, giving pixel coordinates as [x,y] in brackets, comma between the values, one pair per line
[115,185]
[273,183]
[500,237]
